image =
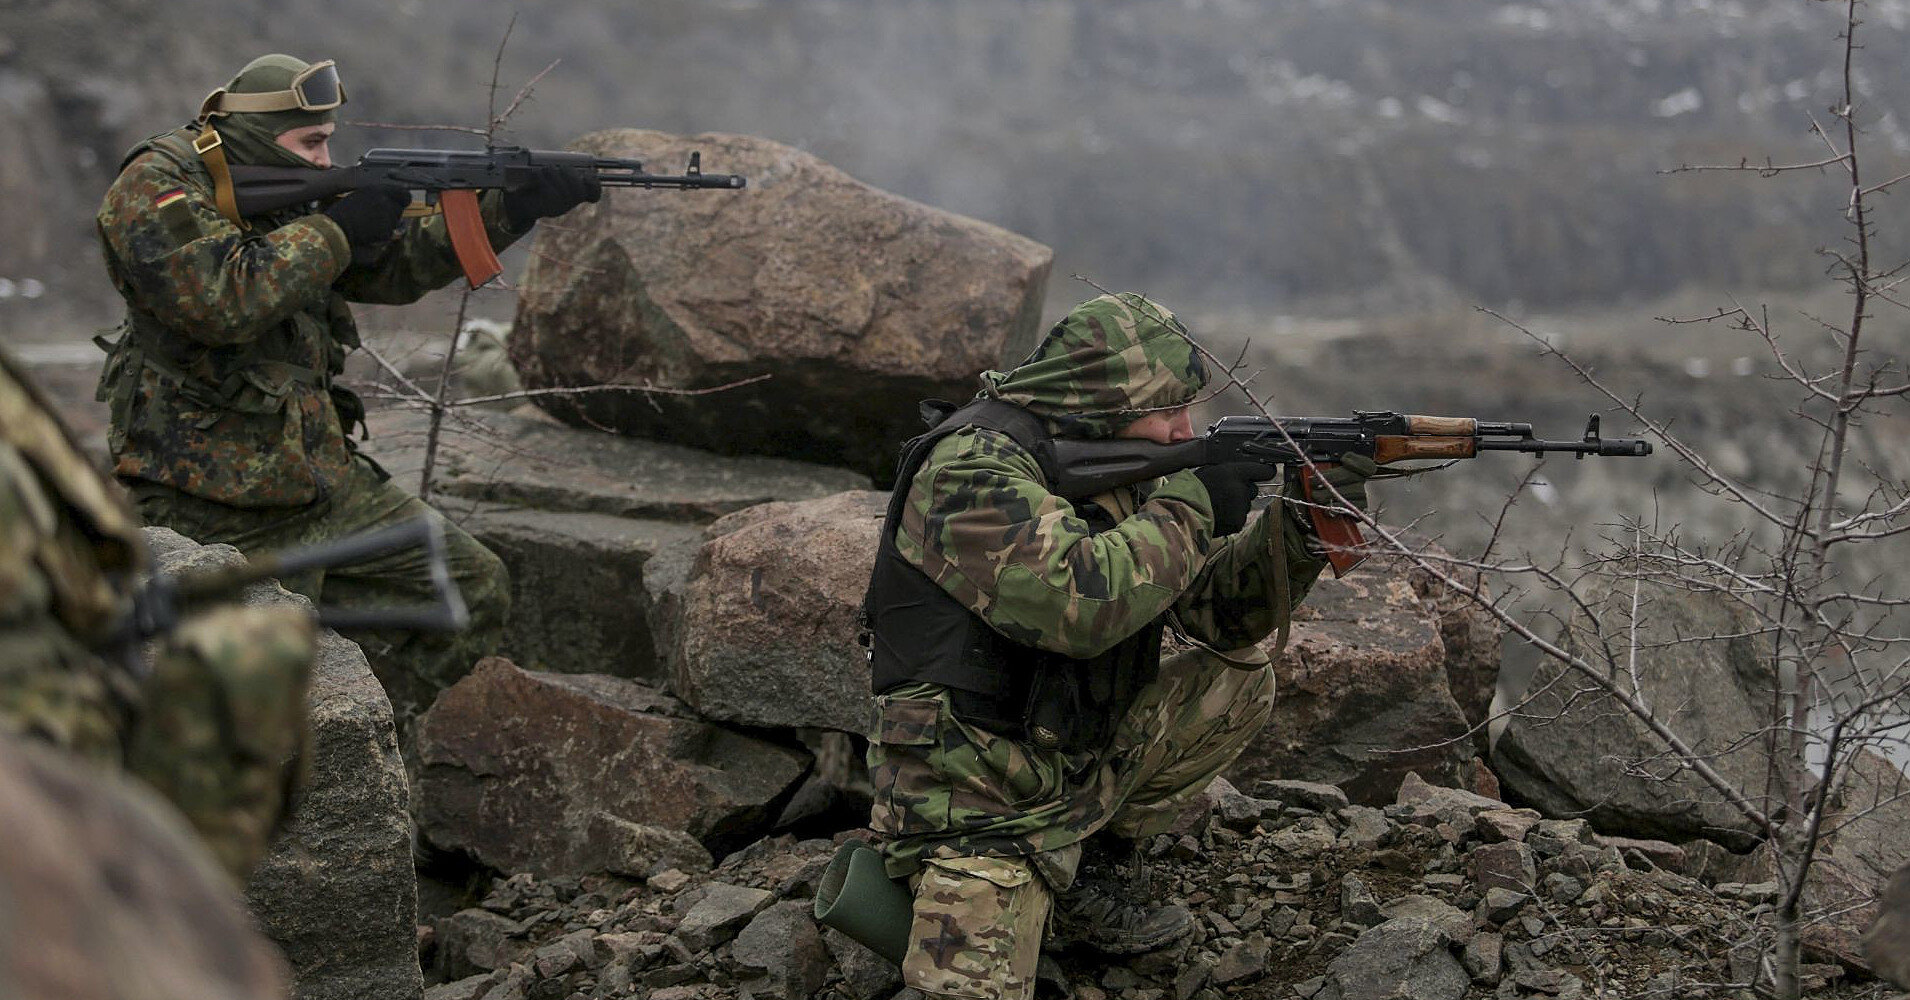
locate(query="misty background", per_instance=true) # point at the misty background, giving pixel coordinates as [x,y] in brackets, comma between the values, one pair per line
[1334,185]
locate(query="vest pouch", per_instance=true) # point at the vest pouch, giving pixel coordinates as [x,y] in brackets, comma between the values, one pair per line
[986,687]
[261,387]
[1057,717]
[117,387]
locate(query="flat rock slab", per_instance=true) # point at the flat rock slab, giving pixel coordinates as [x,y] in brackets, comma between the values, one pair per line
[720,914]
[766,632]
[338,890]
[1363,673]
[857,303]
[548,773]
[526,462]
[1405,958]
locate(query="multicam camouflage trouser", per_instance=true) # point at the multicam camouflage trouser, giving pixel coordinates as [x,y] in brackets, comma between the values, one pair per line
[992,828]
[412,666]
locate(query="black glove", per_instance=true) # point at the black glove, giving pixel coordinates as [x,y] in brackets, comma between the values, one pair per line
[548,191]
[1231,486]
[368,216]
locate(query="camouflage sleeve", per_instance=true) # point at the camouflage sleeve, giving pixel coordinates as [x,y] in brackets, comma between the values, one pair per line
[175,257]
[421,260]
[981,524]
[223,732]
[1232,604]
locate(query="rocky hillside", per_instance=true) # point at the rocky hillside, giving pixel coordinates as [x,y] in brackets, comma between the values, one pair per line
[1322,155]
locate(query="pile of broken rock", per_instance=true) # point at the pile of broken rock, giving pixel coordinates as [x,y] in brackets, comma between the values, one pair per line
[1297,893]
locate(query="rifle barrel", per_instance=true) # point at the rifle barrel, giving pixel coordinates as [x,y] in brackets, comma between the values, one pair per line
[1602,447]
[640,179]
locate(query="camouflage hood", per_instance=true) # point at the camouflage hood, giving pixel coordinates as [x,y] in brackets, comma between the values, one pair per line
[252,137]
[1109,361]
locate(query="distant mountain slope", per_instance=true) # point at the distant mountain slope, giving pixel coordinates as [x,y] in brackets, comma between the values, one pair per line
[1339,155]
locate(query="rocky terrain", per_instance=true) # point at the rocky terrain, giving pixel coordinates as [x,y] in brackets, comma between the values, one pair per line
[1443,894]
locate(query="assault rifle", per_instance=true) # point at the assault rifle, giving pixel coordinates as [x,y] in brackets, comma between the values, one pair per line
[451,178]
[1080,469]
[166,598]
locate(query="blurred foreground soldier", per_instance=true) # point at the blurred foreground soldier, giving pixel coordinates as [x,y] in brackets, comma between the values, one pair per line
[106,895]
[1027,731]
[216,723]
[227,422]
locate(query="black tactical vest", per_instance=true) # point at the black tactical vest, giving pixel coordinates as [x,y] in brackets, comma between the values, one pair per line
[918,633]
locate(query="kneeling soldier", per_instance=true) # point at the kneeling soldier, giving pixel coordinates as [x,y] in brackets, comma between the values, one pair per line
[1028,732]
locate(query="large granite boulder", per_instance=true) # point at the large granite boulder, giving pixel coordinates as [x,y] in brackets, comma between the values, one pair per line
[578,515]
[1363,696]
[1887,942]
[576,582]
[1869,846]
[856,303]
[766,634]
[107,894]
[338,890]
[579,773]
[1570,750]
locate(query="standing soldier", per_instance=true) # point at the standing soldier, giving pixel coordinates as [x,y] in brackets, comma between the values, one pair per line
[1028,732]
[216,724]
[227,422]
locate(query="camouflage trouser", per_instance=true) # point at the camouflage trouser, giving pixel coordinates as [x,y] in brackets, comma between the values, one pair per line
[990,828]
[412,666]
[218,727]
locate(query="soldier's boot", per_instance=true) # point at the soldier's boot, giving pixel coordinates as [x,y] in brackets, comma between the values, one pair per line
[1109,907]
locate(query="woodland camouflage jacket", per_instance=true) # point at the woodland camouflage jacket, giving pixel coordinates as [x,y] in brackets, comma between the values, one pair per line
[220,384]
[982,524]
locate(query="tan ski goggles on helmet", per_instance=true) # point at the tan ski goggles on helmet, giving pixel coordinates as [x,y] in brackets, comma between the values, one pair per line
[315,88]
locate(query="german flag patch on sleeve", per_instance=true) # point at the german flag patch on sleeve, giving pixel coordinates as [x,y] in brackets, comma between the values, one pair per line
[175,212]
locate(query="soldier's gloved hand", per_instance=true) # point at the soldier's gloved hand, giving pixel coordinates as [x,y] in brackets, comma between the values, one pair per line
[548,191]
[1231,486]
[368,216]
[1350,476]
